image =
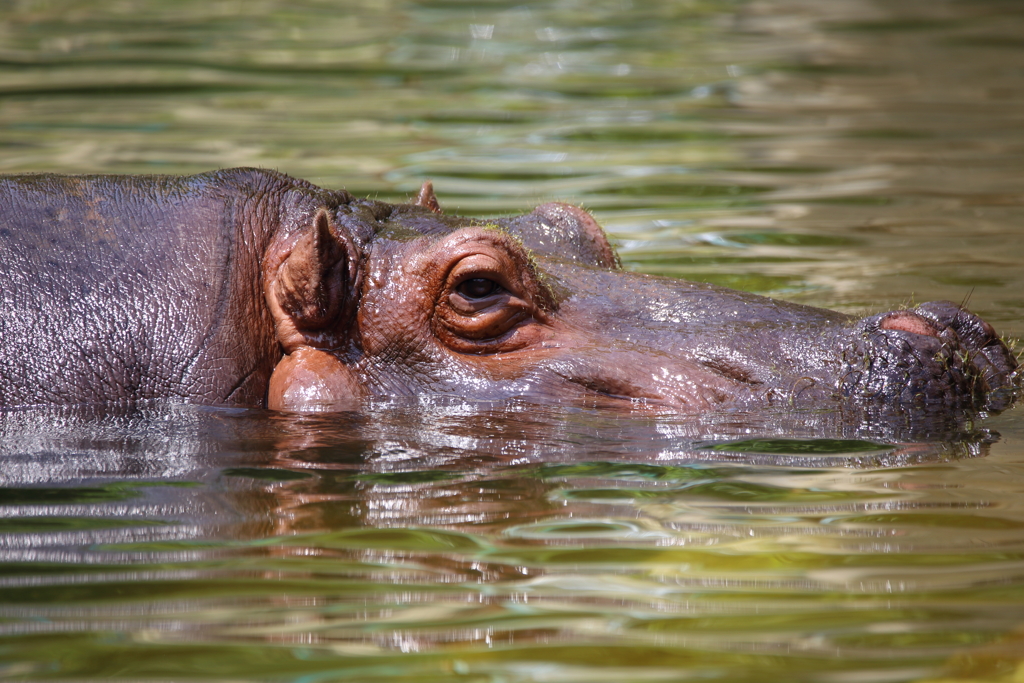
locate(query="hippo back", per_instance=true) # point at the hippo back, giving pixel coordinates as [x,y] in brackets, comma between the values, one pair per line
[124,288]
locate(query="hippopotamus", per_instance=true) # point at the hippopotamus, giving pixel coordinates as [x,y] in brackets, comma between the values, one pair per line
[247,287]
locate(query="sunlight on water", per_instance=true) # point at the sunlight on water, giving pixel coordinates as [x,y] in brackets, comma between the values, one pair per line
[517,541]
[852,154]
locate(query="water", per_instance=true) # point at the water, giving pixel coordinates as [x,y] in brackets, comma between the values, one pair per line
[850,154]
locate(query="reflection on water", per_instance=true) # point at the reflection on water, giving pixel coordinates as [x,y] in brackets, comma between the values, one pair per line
[513,541]
[850,153]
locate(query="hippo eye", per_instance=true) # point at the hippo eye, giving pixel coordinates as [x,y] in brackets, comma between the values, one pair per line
[478,288]
[488,300]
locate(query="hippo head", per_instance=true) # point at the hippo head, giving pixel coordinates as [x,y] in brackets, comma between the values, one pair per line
[381,300]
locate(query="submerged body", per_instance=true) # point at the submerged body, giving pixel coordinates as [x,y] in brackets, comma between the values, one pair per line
[248,287]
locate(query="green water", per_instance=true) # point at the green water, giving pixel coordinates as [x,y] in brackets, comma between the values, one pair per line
[850,154]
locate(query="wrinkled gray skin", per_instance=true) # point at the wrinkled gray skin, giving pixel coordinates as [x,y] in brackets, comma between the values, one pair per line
[247,287]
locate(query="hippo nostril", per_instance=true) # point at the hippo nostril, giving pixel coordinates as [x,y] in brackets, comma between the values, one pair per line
[906,321]
[971,331]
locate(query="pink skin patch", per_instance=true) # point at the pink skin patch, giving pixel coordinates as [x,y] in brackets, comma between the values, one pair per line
[905,321]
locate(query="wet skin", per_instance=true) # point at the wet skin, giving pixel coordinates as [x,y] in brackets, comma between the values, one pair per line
[248,287]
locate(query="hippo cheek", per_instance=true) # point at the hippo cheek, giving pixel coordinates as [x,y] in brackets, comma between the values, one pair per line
[573,370]
[672,389]
[310,380]
[652,378]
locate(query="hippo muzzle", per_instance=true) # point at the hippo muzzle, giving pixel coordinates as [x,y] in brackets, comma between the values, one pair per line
[937,354]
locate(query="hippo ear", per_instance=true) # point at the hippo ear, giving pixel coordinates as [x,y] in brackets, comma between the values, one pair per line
[311,283]
[427,199]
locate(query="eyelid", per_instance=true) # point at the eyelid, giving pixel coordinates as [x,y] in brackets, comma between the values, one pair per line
[503,320]
[466,306]
[482,266]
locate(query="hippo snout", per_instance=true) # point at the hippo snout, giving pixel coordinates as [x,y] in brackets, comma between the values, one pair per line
[935,354]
